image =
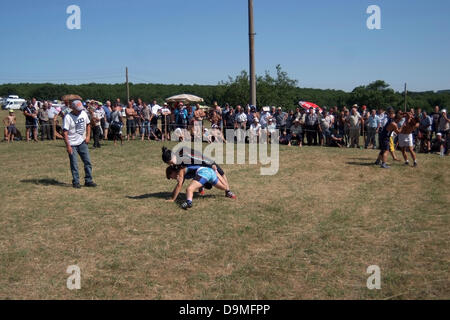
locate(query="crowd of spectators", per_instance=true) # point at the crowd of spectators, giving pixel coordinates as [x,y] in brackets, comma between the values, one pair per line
[355,127]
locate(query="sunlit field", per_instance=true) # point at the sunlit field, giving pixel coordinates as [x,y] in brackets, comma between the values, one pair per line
[309,232]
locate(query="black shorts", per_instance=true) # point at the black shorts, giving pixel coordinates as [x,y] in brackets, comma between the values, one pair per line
[12,130]
[219,170]
[385,144]
[30,125]
[131,126]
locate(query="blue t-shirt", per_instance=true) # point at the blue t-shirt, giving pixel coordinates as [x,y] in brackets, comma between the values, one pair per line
[107,114]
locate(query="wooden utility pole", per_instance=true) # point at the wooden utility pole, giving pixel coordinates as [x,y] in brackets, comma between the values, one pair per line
[251,34]
[406,95]
[128,85]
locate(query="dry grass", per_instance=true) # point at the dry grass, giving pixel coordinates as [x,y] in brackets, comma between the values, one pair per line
[310,232]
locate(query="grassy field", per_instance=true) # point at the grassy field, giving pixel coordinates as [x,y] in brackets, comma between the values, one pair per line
[310,232]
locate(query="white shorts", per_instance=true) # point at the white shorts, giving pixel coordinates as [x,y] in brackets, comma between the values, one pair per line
[405,140]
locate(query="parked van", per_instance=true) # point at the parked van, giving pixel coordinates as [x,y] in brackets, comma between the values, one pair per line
[13,102]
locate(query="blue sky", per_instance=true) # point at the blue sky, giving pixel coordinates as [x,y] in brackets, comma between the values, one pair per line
[322,43]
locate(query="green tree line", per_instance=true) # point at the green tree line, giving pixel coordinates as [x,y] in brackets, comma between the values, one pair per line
[272,90]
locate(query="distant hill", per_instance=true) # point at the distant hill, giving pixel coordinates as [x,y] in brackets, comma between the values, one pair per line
[444,91]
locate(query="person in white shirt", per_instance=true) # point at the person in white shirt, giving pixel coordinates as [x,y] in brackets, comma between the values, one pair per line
[254,131]
[53,116]
[165,120]
[240,124]
[97,115]
[271,129]
[156,108]
[77,132]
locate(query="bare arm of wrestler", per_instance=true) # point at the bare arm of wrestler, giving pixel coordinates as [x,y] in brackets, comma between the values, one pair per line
[180,181]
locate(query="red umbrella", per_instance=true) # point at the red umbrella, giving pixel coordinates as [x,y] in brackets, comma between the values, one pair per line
[309,105]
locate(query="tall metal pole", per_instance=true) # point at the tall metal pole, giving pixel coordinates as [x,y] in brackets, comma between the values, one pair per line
[251,34]
[406,95]
[128,86]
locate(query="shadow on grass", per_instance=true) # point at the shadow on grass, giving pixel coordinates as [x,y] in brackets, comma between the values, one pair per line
[363,164]
[46,182]
[164,195]
[362,159]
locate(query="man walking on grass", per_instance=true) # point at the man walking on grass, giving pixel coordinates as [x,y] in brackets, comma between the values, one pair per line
[77,132]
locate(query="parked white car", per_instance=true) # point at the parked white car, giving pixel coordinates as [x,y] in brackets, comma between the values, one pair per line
[13,102]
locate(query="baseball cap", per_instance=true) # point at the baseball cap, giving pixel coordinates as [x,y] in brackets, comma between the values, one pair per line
[439,134]
[444,110]
[11,110]
[77,105]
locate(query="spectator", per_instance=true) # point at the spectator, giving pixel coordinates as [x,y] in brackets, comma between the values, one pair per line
[337,140]
[230,119]
[373,126]
[116,124]
[145,119]
[11,126]
[265,116]
[217,135]
[97,115]
[439,145]
[296,132]
[271,129]
[77,136]
[425,129]
[181,116]
[225,112]
[240,124]
[364,116]
[285,139]
[254,131]
[290,121]
[355,121]
[250,117]
[435,116]
[52,117]
[107,119]
[311,122]
[273,110]
[156,113]
[190,116]
[30,113]
[138,117]
[281,118]
[165,120]
[324,128]
[444,124]
[215,118]
[131,124]
[44,122]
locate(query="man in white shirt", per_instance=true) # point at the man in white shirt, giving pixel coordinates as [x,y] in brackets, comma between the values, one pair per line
[156,112]
[355,121]
[52,116]
[240,124]
[254,131]
[77,132]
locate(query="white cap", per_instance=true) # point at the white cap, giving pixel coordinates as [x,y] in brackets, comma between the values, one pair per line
[77,105]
